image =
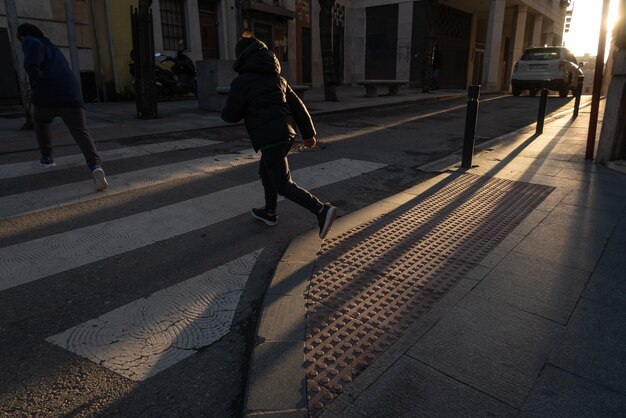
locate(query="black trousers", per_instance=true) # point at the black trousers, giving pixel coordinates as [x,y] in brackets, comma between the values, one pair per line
[276,179]
[74,119]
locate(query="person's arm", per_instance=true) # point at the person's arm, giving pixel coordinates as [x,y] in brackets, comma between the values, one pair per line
[235,103]
[301,116]
[33,58]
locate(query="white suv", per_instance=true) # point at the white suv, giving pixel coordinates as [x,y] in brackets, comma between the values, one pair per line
[554,64]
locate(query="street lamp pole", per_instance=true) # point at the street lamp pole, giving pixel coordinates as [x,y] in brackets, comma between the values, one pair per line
[597,84]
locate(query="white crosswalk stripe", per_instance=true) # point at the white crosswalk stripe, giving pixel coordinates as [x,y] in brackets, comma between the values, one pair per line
[33,260]
[142,338]
[29,202]
[145,337]
[77,160]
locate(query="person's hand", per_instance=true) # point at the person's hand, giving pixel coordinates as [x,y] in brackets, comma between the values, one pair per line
[309,142]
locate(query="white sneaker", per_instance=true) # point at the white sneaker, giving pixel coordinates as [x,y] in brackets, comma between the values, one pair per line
[99,181]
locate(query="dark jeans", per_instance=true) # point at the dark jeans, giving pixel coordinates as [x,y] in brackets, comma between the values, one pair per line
[436,72]
[74,119]
[276,179]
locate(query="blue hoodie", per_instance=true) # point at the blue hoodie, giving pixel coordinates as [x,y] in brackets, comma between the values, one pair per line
[52,81]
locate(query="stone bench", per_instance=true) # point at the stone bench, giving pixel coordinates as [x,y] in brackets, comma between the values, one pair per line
[371,86]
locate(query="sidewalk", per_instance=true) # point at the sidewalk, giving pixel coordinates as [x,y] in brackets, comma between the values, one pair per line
[116,120]
[497,291]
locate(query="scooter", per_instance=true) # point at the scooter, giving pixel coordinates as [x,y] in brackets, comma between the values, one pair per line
[179,79]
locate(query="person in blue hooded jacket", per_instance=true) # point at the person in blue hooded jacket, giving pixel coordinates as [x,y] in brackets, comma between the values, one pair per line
[268,105]
[55,92]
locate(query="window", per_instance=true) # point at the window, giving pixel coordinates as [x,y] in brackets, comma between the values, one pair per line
[173,24]
[541,54]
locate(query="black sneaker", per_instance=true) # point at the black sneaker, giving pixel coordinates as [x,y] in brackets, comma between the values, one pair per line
[47,161]
[326,218]
[270,218]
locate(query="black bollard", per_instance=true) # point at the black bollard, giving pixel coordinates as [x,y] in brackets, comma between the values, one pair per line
[471,118]
[543,100]
[579,92]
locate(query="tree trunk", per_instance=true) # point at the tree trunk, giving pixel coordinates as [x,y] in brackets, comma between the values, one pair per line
[326,21]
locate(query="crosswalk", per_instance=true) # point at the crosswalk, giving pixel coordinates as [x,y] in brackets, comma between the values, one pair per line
[141,338]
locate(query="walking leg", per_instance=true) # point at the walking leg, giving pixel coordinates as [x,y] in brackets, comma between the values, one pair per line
[277,168]
[74,119]
[271,195]
[42,117]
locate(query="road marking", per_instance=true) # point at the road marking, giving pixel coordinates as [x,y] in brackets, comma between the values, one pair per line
[145,337]
[77,160]
[36,259]
[67,194]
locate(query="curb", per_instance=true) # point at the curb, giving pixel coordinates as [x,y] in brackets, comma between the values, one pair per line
[454,160]
[276,380]
[276,386]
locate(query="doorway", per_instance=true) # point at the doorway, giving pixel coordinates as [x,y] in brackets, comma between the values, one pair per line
[207,11]
[306,55]
[381,39]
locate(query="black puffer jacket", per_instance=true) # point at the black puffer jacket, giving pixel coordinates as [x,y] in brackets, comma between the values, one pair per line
[264,100]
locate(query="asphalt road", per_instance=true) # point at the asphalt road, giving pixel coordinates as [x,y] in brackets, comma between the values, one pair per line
[54,275]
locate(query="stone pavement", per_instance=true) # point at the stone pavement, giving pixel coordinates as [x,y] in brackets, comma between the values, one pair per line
[494,291]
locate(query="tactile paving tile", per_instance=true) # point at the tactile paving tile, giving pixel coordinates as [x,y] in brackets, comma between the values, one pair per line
[372,282]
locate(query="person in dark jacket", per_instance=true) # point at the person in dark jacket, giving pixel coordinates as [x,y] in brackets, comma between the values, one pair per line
[436,66]
[266,102]
[55,92]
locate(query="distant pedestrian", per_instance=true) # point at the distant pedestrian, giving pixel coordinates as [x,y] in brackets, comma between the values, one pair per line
[55,92]
[266,102]
[436,66]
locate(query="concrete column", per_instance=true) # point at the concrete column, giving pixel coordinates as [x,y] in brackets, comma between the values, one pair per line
[537,30]
[292,52]
[316,47]
[520,31]
[548,34]
[403,57]
[227,29]
[493,48]
[355,43]
[194,39]
[612,144]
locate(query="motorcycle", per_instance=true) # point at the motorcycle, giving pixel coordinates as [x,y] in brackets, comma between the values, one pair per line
[177,80]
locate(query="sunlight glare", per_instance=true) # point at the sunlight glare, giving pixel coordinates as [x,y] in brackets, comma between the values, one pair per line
[585,26]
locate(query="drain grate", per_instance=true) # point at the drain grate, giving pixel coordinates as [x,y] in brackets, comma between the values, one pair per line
[372,282]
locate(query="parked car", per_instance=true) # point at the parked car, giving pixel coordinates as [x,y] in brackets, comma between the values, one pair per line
[553,63]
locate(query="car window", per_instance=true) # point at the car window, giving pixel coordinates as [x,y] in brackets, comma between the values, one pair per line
[541,54]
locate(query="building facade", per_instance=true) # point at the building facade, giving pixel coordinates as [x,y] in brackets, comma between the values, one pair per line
[49,15]
[480,40]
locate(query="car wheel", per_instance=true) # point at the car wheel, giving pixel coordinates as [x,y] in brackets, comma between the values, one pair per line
[516,91]
[563,91]
[532,92]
